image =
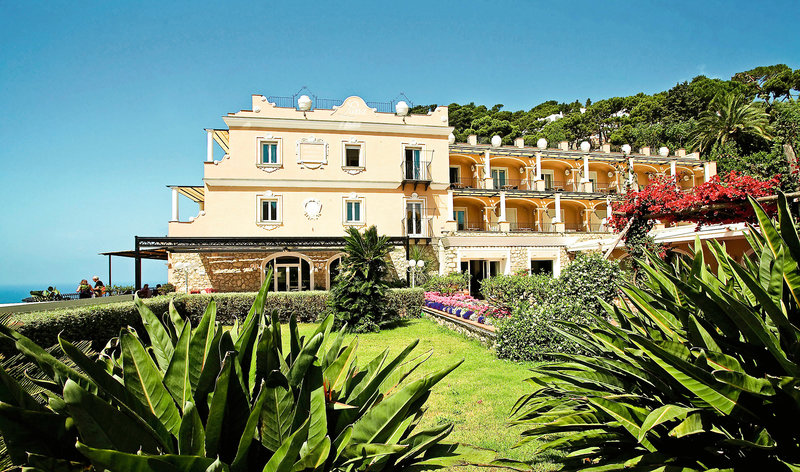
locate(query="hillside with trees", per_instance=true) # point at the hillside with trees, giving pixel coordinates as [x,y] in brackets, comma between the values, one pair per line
[750,123]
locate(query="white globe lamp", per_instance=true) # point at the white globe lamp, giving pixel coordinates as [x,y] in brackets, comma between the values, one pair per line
[663,151]
[541,144]
[585,146]
[497,141]
[626,149]
[304,103]
[420,264]
[451,138]
[401,108]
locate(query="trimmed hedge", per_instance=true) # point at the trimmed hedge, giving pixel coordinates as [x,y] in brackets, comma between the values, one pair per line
[99,323]
[447,284]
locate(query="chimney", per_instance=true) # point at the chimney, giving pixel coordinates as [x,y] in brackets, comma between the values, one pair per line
[680,152]
[519,142]
[606,148]
[472,139]
[563,145]
[645,150]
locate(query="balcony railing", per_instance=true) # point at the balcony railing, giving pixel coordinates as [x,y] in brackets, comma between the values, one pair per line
[416,171]
[533,227]
[418,227]
[466,182]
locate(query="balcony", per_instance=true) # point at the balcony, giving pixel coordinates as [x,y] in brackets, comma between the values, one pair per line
[416,226]
[533,227]
[416,172]
[529,185]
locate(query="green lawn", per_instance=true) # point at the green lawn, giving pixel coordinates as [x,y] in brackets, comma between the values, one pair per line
[476,397]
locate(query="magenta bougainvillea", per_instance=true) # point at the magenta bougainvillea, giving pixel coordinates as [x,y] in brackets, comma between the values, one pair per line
[464,303]
[721,200]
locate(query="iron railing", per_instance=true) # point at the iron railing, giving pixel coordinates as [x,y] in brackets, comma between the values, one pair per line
[419,227]
[416,171]
[330,103]
[466,182]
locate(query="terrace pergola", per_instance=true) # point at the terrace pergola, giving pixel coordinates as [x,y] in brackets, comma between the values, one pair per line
[147,247]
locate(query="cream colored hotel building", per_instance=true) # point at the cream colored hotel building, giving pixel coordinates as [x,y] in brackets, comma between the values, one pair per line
[292,175]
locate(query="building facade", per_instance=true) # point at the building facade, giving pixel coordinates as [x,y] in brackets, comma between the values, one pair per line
[293,178]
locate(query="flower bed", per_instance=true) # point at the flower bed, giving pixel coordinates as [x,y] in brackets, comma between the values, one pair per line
[464,306]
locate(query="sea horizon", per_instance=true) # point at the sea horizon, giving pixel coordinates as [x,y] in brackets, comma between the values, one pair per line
[14,293]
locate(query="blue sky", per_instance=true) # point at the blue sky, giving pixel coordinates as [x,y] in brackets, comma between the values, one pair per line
[103,104]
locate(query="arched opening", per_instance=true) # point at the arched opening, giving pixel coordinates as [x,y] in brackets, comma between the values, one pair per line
[333,264]
[292,272]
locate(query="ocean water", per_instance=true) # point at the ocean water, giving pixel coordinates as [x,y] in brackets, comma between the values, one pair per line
[15,293]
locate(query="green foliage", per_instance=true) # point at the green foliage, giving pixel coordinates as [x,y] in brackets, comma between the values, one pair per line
[734,118]
[100,323]
[508,291]
[528,335]
[213,399]
[696,371]
[447,284]
[358,297]
[536,303]
[763,164]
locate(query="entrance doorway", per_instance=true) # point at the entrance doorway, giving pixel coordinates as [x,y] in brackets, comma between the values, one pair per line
[290,274]
[479,270]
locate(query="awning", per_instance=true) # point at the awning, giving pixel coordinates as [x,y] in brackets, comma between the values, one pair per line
[196,193]
[157,253]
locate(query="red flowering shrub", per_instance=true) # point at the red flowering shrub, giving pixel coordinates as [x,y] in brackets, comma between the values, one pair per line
[718,201]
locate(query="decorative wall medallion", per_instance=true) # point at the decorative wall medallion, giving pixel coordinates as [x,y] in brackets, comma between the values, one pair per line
[312,208]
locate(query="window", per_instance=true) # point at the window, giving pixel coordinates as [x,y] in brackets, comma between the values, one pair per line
[352,156]
[455,175]
[542,267]
[269,153]
[352,211]
[415,169]
[269,211]
[460,215]
[499,177]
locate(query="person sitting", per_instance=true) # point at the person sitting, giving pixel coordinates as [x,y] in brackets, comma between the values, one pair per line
[84,289]
[144,292]
[99,287]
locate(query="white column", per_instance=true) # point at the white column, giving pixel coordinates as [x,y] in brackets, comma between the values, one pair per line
[210,145]
[175,205]
[585,169]
[487,170]
[557,218]
[673,168]
[538,166]
[502,207]
[450,212]
[631,172]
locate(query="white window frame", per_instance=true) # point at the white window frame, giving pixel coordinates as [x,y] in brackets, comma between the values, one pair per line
[362,157]
[260,141]
[362,210]
[269,197]
[498,169]
[422,153]
[552,175]
[424,204]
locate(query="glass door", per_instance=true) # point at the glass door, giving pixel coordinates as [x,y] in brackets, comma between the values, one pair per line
[413,164]
[461,219]
[287,278]
[499,178]
[414,218]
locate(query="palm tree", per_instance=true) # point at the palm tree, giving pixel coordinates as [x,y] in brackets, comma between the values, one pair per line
[730,117]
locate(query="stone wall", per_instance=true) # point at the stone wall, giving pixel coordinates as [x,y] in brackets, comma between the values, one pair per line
[238,271]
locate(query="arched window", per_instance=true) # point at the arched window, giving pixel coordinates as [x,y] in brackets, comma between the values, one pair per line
[291,273]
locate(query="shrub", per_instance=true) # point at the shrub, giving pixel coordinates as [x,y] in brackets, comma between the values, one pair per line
[574,297]
[407,301]
[697,371]
[589,277]
[358,296]
[99,323]
[447,284]
[528,334]
[213,399]
[508,291]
